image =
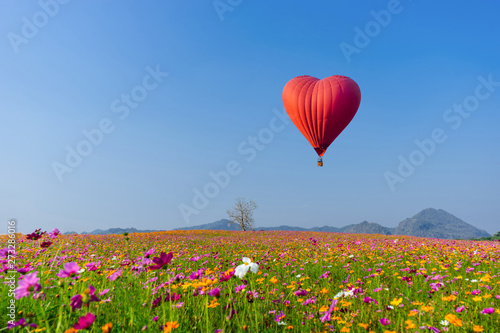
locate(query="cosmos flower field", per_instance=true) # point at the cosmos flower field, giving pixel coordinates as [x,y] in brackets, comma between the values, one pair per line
[254,281]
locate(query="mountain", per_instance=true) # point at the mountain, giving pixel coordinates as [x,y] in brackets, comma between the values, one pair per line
[217,225]
[366,228]
[437,223]
[111,231]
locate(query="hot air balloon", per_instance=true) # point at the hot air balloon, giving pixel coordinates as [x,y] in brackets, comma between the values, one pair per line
[321,109]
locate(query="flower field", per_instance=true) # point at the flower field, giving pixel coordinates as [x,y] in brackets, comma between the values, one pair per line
[272,281]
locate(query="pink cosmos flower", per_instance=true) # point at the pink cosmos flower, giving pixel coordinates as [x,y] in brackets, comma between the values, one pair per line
[92,266]
[149,252]
[239,288]
[87,297]
[54,233]
[488,311]
[327,315]
[115,275]
[280,316]
[84,322]
[70,270]
[21,322]
[214,292]
[172,297]
[28,284]
[226,275]
[460,309]
[196,275]
[384,321]
[104,292]
[300,292]
[36,235]
[45,244]
[162,261]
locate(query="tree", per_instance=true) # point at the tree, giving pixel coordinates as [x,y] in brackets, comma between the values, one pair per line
[242,213]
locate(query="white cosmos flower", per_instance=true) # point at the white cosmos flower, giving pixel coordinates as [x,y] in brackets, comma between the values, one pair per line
[444,322]
[242,269]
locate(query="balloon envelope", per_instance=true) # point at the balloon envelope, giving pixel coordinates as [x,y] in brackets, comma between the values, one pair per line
[321,109]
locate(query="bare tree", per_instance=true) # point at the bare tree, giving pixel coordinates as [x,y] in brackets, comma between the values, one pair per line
[242,213]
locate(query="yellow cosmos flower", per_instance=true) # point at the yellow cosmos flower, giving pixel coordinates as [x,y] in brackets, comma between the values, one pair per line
[453,319]
[426,308]
[409,324]
[396,301]
[106,328]
[169,326]
[449,298]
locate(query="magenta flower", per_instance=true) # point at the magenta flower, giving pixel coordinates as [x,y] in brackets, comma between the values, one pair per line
[156,302]
[226,275]
[28,284]
[70,270]
[104,292]
[239,288]
[45,244]
[84,322]
[5,251]
[88,296]
[115,275]
[162,261]
[301,292]
[369,300]
[476,292]
[280,316]
[21,322]
[54,233]
[488,311]
[327,315]
[214,292]
[76,302]
[149,252]
[384,321]
[460,309]
[172,298]
[35,235]
[93,266]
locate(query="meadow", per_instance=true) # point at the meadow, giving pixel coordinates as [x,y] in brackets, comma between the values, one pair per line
[254,281]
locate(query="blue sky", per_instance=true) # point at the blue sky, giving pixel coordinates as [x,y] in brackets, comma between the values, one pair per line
[174,92]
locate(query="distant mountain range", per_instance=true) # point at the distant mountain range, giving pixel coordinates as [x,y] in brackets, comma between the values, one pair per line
[432,223]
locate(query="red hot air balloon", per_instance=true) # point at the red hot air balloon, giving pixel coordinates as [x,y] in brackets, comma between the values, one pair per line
[321,109]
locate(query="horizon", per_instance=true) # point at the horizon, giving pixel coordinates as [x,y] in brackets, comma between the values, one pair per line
[159,115]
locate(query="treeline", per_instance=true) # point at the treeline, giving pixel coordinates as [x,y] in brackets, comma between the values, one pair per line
[495,237]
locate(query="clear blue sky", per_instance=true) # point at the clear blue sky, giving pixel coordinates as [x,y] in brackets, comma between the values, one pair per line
[69,68]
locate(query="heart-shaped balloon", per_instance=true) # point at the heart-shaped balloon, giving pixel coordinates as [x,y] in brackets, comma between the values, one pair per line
[321,109]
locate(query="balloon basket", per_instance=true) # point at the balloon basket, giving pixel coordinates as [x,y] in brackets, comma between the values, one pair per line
[320,162]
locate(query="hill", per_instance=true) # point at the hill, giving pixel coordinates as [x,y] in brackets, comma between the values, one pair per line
[366,227]
[217,225]
[437,223]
